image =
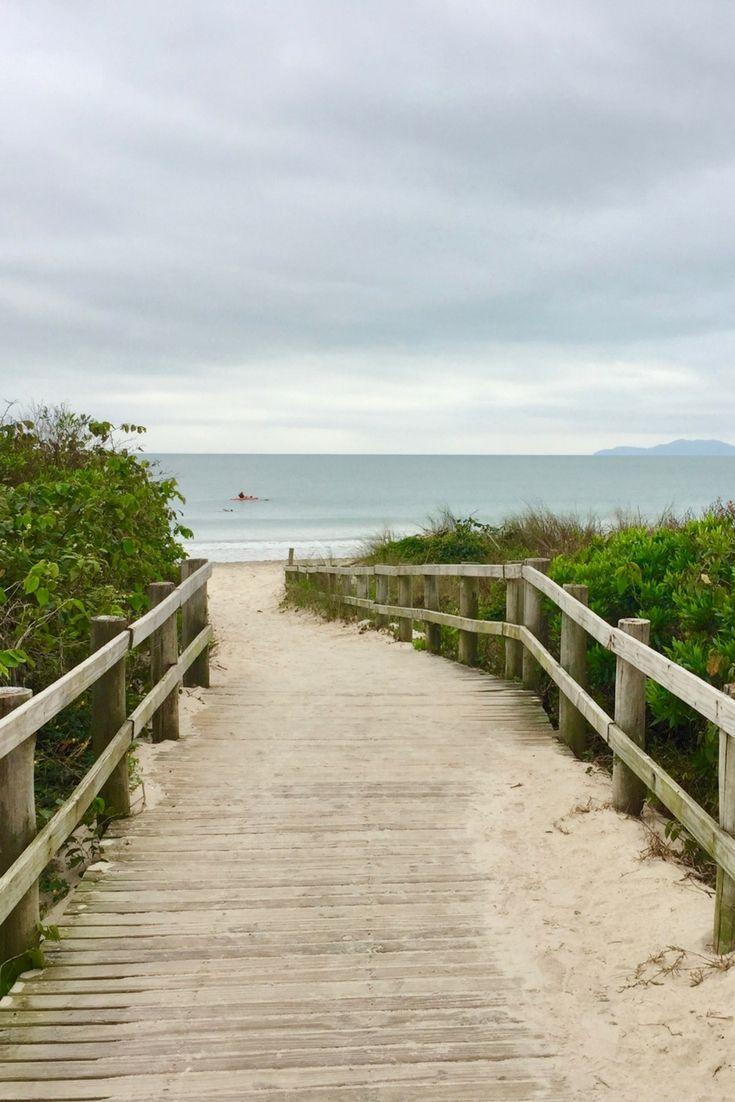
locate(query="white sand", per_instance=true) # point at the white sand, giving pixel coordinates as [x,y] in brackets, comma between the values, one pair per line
[574,903]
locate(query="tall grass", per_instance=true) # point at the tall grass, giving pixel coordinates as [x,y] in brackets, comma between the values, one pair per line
[532,531]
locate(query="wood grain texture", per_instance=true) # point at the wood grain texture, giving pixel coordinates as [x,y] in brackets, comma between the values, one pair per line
[164,647]
[27,868]
[17,829]
[107,700]
[329,932]
[724,924]
[629,791]
[29,717]
[573,658]
[534,622]
[710,702]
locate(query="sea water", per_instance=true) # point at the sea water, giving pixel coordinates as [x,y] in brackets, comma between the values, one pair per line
[325,505]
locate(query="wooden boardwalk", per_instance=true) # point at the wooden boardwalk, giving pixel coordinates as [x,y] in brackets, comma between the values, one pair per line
[306,912]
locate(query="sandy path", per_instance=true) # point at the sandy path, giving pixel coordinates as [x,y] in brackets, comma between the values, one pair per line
[371,874]
[579,907]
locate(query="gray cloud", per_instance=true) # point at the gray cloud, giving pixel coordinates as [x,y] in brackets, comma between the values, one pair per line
[323,225]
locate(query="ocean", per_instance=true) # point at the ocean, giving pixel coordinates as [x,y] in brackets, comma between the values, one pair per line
[326,505]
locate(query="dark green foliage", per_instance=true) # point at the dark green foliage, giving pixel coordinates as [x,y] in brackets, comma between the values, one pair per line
[85,525]
[447,540]
[681,579]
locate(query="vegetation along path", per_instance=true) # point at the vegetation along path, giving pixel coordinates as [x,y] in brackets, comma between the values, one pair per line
[372,874]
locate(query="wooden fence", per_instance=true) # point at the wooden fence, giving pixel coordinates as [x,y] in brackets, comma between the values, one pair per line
[634,771]
[24,853]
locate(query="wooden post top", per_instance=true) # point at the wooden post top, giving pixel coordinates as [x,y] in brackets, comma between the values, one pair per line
[190,566]
[634,625]
[158,590]
[11,697]
[105,628]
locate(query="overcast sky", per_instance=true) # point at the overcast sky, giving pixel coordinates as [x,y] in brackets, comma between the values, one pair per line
[371,225]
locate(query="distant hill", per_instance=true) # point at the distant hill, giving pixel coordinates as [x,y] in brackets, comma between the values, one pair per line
[676,447]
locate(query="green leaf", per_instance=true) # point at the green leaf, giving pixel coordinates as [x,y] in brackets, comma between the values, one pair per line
[42,596]
[128,547]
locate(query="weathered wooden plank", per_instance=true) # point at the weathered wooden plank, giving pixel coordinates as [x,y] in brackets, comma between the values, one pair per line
[405,599]
[468,602]
[573,658]
[28,867]
[146,625]
[703,828]
[700,695]
[29,717]
[480,627]
[628,790]
[382,600]
[17,829]
[328,931]
[450,570]
[513,615]
[26,720]
[724,923]
[107,714]
[444,570]
[164,648]
[148,705]
[194,618]
[534,622]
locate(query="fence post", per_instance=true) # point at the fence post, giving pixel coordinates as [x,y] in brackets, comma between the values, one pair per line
[17,829]
[629,791]
[194,618]
[108,712]
[362,588]
[513,615]
[290,576]
[573,658]
[724,933]
[469,589]
[344,585]
[533,619]
[405,600]
[164,655]
[382,597]
[431,600]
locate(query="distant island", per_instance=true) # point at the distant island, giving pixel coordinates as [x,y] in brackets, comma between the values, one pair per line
[676,447]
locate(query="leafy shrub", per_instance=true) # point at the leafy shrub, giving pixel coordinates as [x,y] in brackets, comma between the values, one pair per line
[682,581]
[85,525]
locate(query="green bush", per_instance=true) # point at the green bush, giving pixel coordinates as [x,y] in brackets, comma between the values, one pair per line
[682,581]
[85,525]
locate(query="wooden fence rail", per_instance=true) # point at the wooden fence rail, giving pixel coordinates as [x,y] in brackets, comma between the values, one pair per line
[24,853]
[524,633]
